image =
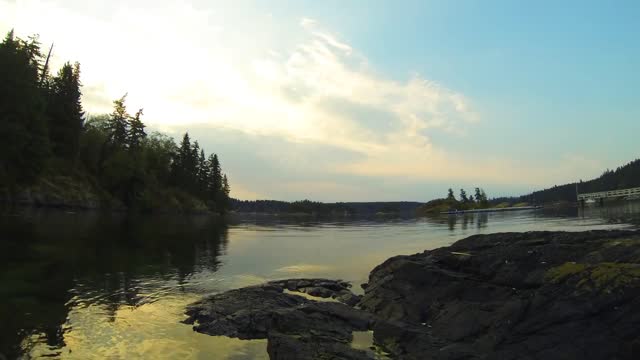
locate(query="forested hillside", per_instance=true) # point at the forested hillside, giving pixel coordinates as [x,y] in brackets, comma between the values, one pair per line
[626,176]
[51,155]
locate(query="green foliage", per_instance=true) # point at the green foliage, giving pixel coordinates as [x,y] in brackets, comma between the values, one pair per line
[24,142]
[42,122]
[463,196]
[118,123]
[477,201]
[450,195]
[65,113]
[627,176]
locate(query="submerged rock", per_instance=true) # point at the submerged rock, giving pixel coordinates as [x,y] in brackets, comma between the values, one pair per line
[536,295]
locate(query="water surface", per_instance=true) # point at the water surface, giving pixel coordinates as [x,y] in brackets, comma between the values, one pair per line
[94,286]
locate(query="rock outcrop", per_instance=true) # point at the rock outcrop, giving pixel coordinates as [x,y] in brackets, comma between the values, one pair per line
[296,327]
[536,295]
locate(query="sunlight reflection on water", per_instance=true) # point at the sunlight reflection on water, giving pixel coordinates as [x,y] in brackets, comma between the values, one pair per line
[94,287]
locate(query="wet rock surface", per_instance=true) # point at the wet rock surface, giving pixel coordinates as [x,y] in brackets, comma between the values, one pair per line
[296,327]
[536,295]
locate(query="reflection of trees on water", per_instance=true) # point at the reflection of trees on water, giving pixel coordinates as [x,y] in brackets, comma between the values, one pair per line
[50,263]
[615,211]
[466,221]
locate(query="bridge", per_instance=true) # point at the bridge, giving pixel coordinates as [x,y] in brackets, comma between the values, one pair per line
[623,193]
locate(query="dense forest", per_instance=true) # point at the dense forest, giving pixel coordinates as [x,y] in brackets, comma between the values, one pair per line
[627,176]
[52,155]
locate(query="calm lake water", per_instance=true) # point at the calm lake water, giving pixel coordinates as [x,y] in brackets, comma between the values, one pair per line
[95,286]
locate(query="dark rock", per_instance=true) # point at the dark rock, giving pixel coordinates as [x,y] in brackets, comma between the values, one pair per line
[296,328]
[538,295]
[287,347]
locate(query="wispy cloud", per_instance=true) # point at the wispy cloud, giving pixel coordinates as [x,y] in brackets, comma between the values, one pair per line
[186,68]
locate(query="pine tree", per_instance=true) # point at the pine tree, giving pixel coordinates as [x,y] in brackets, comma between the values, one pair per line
[224,196]
[182,165]
[136,131]
[203,174]
[478,195]
[463,196]
[118,125]
[225,185]
[450,195]
[216,177]
[65,113]
[24,143]
[483,198]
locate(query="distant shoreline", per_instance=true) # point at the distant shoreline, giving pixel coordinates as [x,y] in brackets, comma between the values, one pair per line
[515,208]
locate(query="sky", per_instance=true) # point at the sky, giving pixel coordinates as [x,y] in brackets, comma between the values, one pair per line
[365,100]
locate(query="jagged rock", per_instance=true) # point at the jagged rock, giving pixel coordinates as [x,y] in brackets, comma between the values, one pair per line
[296,327]
[538,295]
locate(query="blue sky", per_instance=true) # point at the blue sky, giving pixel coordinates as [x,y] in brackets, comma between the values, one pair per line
[366,100]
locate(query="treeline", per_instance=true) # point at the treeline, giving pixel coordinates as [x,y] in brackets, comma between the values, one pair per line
[319,208]
[626,176]
[283,207]
[477,200]
[44,136]
[474,200]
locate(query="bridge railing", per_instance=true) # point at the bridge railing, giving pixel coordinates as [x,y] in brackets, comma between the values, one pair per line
[609,194]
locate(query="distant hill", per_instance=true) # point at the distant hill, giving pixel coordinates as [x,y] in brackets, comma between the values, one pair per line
[623,177]
[626,176]
[313,207]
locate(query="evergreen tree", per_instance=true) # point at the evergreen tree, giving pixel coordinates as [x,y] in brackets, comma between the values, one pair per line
[203,174]
[136,131]
[483,198]
[182,163]
[65,113]
[37,110]
[225,185]
[194,171]
[477,195]
[450,195]
[463,196]
[216,177]
[24,143]
[224,196]
[118,125]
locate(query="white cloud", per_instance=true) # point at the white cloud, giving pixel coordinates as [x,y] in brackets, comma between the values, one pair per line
[187,67]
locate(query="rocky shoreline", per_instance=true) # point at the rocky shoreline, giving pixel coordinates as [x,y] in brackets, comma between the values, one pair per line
[535,295]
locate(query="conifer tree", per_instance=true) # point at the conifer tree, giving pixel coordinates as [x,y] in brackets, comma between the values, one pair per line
[450,195]
[118,125]
[478,195]
[136,131]
[65,113]
[203,174]
[24,143]
[224,196]
[463,196]
[216,177]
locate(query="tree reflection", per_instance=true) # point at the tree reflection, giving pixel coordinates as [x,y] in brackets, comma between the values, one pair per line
[51,262]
